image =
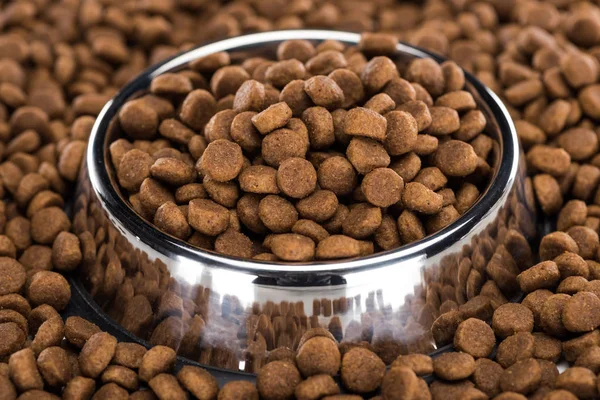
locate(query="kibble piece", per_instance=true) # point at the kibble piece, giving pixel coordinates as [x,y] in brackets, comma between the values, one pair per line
[197,109]
[320,206]
[260,179]
[275,116]
[338,175]
[222,160]
[277,380]
[417,197]
[549,160]
[198,381]
[138,120]
[324,92]
[171,219]
[157,360]
[377,73]
[523,377]
[318,355]
[579,312]
[456,158]
[401,134]
[66,252]
[208,217]
[337,246]
[47,223]
[54,366]
[122,376]
[366,154]
[23,371]
[12,276]
[319,123]
[281,145]
[364,122]
[556,243]
[517,347]
[475,337]
[454,366]
[293,247]
[296,177]
[314,387]
[277,213]
[382,187]
[96,354]
[579,381]
[79,330]
[429,74]
[79,387]
[487,376]
[551,316]
[47,287]
[511,318]
[362,370]
[544,275]
[129,355]
[172,171]
[249,97]
[133,169]
[350,84]
[362,221]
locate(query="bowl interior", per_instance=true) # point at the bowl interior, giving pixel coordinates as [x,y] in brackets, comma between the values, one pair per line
[106,130]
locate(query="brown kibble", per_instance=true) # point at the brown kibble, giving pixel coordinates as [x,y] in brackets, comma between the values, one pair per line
[544,275]
[96,354]
[400,383]
[337,246]
[366,154]
[362,221]
[47,223]
[318,355]
[511,318]
[171,219]
[157,360]
[549,160]
[324,92]
[382,187]
[475,337]
[281,145]
[579,381]
[222,160]
[12,276]
[296,177]
[416,197]
[444,121]
[453,366]
[551,315]
[456,158]
[172,171]
[364,122]
[274,117]
[517,347]
[277,380]
[314,387]
[208,217]
[79,330]
[487,376]
[362,370]
[198,381]
[23,371]
[50,288]
[197,108]
[277,214]
[293,247]
[579,312]
[522,377]
[138,120]
[79,388]
[319,124]
[54,366]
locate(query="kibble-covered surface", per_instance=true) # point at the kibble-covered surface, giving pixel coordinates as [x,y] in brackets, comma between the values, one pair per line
[60,61]
[325,152]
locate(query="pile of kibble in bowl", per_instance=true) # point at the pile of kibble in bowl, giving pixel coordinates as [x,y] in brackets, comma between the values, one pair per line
[325,152]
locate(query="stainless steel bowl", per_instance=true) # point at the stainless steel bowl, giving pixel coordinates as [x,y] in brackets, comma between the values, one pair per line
[232,313]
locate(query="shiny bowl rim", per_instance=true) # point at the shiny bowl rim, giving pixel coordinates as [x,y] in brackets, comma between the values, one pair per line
[117,210]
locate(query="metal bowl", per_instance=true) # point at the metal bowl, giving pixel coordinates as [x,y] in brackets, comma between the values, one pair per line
[231,313]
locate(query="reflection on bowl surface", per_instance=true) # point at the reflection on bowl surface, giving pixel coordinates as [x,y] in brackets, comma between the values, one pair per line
[235,313]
